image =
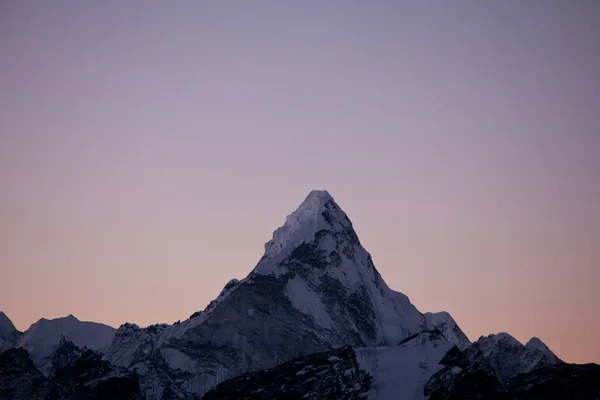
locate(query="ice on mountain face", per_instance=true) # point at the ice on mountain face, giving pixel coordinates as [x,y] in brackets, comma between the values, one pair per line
[446,324]
[401,372]
[41,339]
[307,301]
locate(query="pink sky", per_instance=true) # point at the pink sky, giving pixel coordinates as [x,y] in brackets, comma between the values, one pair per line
[148,151]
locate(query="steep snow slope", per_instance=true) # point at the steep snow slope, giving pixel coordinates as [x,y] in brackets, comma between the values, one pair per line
[401,372]
[9,335]
[444,322]
[42,337]
[315,288]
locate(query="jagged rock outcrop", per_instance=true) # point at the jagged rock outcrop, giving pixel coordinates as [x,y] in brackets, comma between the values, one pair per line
[19,378]
[331,375]
[92,378]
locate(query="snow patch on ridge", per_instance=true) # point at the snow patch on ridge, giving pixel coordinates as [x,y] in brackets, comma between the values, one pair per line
[177,360]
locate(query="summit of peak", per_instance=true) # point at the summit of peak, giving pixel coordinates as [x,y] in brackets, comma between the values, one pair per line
[312,204]
[317,212]
[69,317]
[5,321]
[319,194]
[535,342]
[502,336]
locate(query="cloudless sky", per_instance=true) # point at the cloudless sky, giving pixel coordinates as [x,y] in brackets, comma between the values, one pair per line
[149,149]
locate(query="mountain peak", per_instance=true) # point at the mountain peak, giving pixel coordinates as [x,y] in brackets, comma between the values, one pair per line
[6,325]
[536,343]
[317,212]
[44,335]
[4,320]
[319,194]
[8,333]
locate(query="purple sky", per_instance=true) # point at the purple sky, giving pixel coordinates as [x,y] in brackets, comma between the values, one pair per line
[149,149]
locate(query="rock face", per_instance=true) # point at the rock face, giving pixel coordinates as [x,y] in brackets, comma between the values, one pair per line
[91,378]
[86,377]
[9,335]
[65,355]
[558,382]
[19,379]
[316,288]
[329,375]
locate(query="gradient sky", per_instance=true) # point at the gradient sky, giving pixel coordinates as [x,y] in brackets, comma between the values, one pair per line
[149,149]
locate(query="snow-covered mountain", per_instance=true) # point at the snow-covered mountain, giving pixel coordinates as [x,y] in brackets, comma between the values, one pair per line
[314,289]
[9,335]
[314,319]
[43,337]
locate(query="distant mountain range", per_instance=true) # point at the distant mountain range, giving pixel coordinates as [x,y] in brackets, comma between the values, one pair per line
[314,319]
